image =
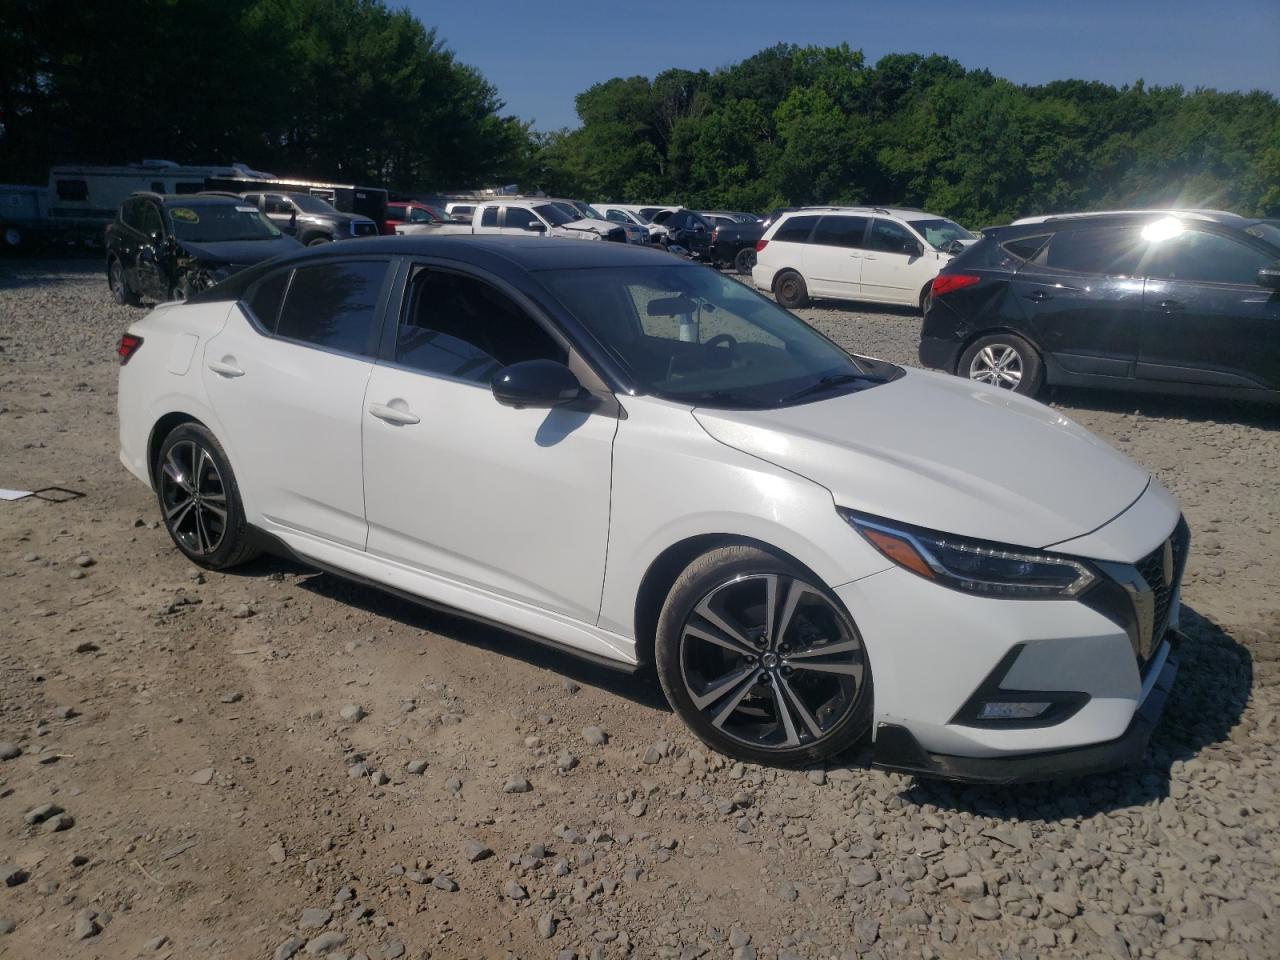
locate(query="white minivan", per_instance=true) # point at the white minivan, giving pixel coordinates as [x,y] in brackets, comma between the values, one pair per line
[877,254]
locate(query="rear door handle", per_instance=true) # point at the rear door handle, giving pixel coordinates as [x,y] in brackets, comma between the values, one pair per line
[1039,296]
[1169,306]
[226,368]
[393,415]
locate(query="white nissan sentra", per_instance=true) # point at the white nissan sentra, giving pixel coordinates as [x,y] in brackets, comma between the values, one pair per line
[633,458]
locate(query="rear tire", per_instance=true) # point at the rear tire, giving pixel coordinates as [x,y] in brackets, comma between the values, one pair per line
[790,694]
[790,291]
[200,499]
[744,261]
[1003,360]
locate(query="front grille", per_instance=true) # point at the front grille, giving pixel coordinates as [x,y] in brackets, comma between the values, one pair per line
[1161,569]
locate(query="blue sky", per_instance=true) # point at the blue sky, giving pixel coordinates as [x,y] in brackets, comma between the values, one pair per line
[541,54]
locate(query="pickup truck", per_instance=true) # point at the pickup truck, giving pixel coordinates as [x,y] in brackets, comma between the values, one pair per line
[735,245]
[522,218]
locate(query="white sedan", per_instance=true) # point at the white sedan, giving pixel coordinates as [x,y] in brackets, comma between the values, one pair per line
[631,457]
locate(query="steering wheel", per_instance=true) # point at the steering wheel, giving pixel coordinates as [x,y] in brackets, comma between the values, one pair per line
[723,338]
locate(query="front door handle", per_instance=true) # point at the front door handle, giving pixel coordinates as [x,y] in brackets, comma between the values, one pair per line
[226,367]
[393,414]
[1039,296]
[1170,306]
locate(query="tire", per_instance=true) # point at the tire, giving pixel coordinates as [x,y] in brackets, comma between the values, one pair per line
[1004,360]
[316,241]
[779,703]
[13,238]
[190,509]
[744,260]
[790,291]
[119,284]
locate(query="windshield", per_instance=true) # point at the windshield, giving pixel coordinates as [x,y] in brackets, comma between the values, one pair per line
[309,204]
[689,334]
[557,214]
[592,212]
[941,232]
[220,223]
[1268,230]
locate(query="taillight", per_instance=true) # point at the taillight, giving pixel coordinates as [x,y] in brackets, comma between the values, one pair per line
[951,282]
[715,234]
[761,244]
[129,345]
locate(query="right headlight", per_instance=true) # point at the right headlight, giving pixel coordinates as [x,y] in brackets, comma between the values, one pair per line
[974,566]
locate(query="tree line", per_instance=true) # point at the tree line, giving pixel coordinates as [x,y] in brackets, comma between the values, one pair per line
[358,91]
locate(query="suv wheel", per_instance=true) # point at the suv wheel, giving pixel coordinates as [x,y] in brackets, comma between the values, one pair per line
[761,662]
[316,241]
[745,260]
[790,290]
[200,500]
[120,291]
[1003,360]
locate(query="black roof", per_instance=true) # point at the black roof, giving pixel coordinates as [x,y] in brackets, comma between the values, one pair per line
[530,253]
[188,198]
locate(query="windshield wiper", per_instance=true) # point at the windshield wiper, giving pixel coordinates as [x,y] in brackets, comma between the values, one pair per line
[825,383]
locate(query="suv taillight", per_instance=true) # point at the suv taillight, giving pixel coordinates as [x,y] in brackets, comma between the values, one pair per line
[129,345]
[951,282]
[761,244]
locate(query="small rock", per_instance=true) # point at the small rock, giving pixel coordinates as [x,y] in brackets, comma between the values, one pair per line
[513,891]
[416,767]
[314,917]
[474,850]
[595,736]
[65,713]
[546,926]
[86,924]
[203,777]
[11,874]
[986,909]
[516,784]
[234,697]
[441,882]
[453,784]
[956,864]
[861,874]
[566,762]
[244,612]
[288,949]
[9,751]
[1063,903]
[637,809]
[7,926]
[970,888]
[326,942]
[379,778]
[155,943]
[1196,930]
[84,560]
[352,713]
[738,938]
[652,755]
[276,853]
[570,686]
[59,822]
[788,892]
[41,813]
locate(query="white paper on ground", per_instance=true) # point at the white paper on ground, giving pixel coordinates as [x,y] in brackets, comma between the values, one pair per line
[13,494]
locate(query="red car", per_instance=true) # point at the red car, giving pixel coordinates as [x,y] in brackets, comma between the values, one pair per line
[411,211]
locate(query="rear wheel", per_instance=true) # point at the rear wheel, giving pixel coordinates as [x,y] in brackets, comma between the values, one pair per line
[200,501]
[745,260]
[1003,360]
[761,661]
[120,291]
[790,291]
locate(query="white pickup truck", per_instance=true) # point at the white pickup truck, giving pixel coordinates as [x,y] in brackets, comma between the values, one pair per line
[523,218]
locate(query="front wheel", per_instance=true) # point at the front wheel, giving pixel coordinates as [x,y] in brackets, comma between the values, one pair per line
[120,291]
[316,241]
[1003,360]
[744,261]
[200,500]
[762,662]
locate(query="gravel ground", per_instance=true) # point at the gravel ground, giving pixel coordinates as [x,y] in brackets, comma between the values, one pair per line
[275,762]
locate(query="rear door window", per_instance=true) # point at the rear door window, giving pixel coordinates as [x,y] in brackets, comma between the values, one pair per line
[1024,248]
[841,231]
[795,229]
[333,305]
[265,296]
[1205,258]
[1107,251]
[489,218]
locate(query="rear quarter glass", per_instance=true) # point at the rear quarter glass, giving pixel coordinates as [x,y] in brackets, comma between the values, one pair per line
[986,254]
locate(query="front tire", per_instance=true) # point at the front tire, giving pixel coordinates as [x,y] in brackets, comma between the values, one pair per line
[761,661]
[119,284]
[200,500]
[1003,360]
[318,240]
[790,291]
[744,261]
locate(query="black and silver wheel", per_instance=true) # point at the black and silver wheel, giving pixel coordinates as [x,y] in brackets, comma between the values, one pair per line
[1005,361]
[745,260]
[790,290]
[120,291]
[762,663]
[199,499]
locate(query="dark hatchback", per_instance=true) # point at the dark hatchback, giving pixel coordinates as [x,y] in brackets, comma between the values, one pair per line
[1161,302]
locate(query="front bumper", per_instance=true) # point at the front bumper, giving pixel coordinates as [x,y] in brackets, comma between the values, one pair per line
[897,749]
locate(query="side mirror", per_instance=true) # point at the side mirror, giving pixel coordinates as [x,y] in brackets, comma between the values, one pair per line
[533,226]
[293,221]
[1269,277]
[535,383]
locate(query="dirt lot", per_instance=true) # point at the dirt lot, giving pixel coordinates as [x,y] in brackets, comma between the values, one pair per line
[216,803]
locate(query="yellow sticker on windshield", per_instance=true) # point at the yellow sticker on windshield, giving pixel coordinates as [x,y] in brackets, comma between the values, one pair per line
[185,214]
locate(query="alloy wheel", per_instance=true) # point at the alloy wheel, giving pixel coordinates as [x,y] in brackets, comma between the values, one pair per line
[194,498]
[117,280]
[999,364]
[770,662]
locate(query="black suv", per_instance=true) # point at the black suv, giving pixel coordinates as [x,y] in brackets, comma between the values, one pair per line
[688,229]
[163,247]
[1168,302]
[311,219]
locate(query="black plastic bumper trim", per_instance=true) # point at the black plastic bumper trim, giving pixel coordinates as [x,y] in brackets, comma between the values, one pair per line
[897,750]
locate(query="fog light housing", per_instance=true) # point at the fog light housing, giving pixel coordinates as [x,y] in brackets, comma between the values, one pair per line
[1013,710]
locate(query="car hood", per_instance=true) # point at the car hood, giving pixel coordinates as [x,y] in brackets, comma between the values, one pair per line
[941,452]
[588,225]
[241,251]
